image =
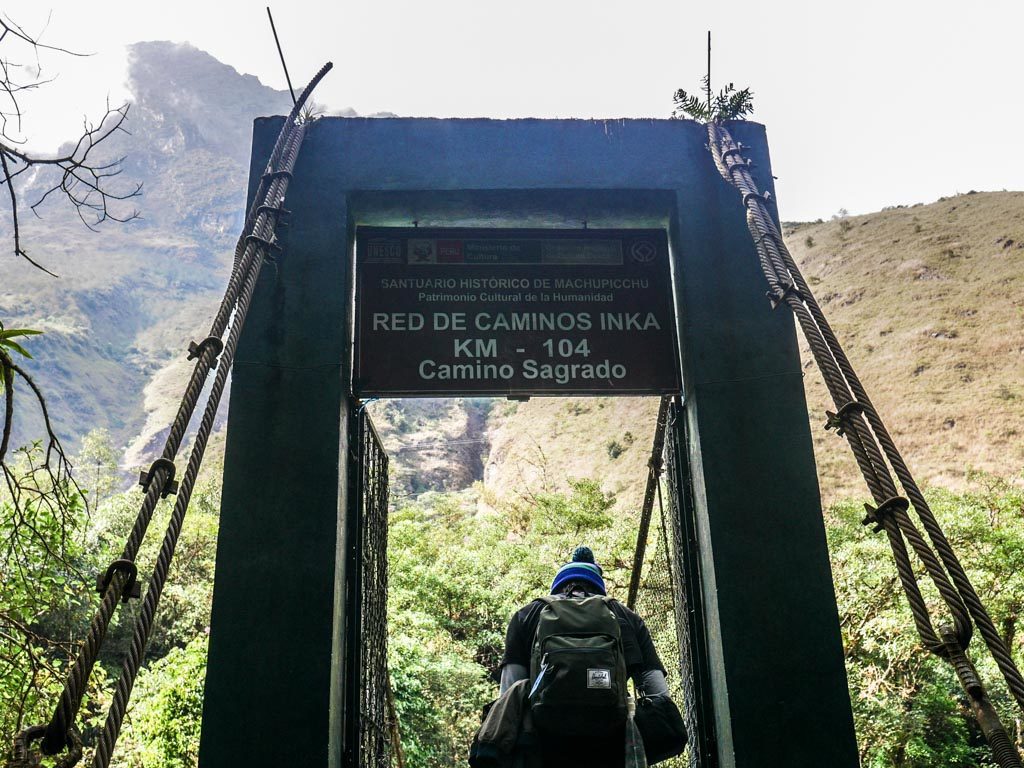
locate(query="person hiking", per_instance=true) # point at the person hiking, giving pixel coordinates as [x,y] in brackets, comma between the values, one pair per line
[575,649]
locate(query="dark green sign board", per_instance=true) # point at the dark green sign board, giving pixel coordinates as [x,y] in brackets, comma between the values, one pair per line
[513,312]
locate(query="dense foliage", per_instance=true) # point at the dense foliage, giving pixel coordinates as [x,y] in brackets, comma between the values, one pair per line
[460,564]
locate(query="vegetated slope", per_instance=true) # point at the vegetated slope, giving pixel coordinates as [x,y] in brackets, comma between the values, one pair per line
[510,451]
[928,301]
[435,444]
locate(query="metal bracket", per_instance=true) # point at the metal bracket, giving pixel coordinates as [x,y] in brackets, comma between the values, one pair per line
[214,342]
[876,515]
[131,587]
[170,484]
[837,420]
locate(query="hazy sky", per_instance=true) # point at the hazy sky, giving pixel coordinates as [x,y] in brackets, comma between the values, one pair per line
[867,103]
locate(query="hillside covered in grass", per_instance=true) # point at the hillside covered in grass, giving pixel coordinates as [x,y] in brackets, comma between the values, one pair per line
[928,301]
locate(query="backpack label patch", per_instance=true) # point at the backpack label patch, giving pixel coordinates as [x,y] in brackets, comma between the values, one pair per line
[599,678]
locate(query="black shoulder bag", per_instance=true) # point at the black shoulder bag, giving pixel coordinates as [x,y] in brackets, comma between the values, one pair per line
[661,727]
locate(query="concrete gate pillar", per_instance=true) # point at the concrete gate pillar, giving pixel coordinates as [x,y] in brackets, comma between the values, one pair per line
[273,689]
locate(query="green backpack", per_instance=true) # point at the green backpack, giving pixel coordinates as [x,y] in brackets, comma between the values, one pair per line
[577,668]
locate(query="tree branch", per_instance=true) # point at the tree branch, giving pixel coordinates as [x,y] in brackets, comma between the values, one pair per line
[82,179]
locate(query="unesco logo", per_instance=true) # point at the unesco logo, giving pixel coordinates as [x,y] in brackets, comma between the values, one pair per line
[643,251]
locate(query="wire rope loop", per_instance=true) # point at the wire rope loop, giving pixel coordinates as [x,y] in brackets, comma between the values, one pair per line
[22,755]
[74,755]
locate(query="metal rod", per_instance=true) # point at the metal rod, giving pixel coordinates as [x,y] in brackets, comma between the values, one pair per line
[281,54]
[653,486]
[707,83]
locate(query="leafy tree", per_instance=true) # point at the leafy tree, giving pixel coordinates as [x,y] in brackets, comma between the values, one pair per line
[908,707]
[45,587]
[97,461]
[165,720]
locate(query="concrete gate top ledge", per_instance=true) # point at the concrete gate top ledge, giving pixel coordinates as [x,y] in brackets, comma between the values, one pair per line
[484,154]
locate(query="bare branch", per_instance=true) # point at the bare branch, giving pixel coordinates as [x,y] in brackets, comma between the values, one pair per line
[81,178]
[7,374]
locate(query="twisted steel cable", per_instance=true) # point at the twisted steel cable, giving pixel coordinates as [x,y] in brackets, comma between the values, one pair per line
[873,446]
[826,347]
[256,240]
[144,621]
[654,467]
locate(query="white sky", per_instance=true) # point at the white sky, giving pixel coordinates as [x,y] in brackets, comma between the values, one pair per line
[868,103]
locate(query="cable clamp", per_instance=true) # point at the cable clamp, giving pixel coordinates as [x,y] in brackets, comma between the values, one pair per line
[837,420]
[730,152]
[876,515]
[269,244]
[731,167]
[277,210]
[757,196]
[778,295]
[170,484]
[210,342]
[131,587]
[270,175]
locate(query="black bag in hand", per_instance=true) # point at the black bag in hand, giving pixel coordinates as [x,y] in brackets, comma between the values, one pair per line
[661,726]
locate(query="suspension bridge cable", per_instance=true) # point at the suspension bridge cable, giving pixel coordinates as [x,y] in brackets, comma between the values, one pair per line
[119,582]
[875,451]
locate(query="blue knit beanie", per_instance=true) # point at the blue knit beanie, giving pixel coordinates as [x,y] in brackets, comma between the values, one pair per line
[582,568]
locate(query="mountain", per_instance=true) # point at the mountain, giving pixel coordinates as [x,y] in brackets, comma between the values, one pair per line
[131,296]
[927,299]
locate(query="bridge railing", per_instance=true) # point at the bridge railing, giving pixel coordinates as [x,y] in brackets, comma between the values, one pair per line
[669,596]
[369,722]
